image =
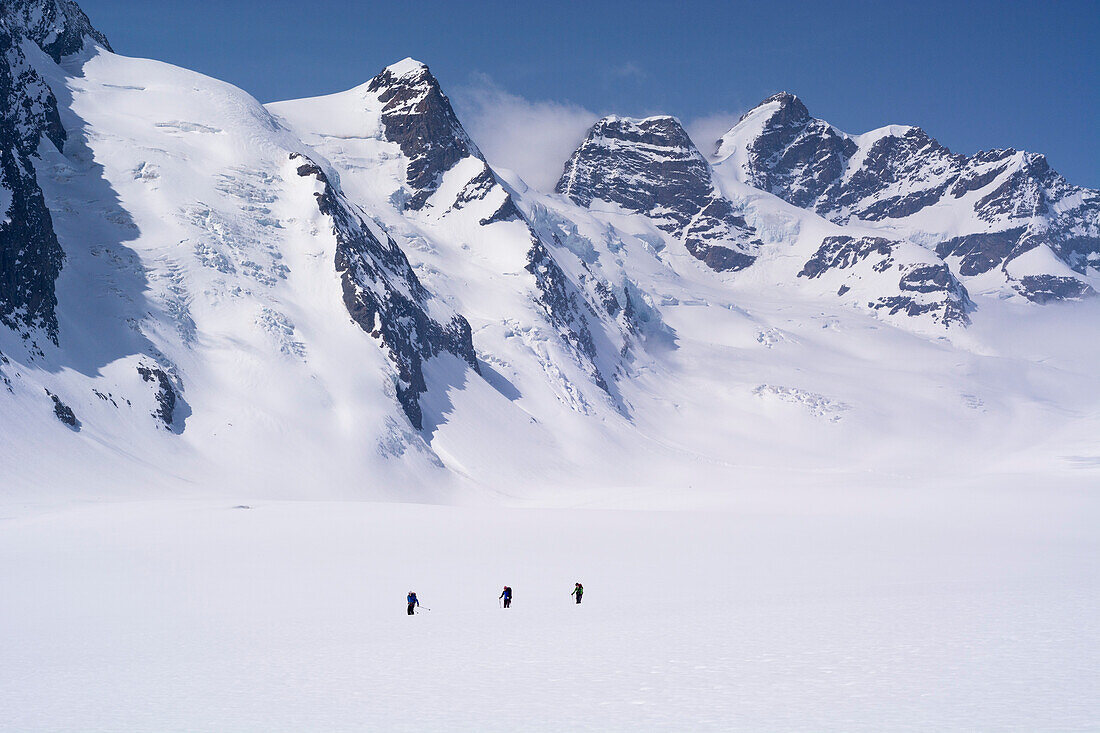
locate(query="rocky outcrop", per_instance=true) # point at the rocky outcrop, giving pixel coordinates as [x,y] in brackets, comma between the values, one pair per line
[417,115]
[30,255]
[59,27]
[651,167]
[63,412]
[165,396]
[1049,288]
[565,307]
[897,278]
[981,211]
[384,296]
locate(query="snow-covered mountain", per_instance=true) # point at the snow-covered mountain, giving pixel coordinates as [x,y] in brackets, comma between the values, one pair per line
[401,149]
[651,166]
[341,296]
[1003,219]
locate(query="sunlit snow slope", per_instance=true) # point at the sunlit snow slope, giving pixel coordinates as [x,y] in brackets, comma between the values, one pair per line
[339,296]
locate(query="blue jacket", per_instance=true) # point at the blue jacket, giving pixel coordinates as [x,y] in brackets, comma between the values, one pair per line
[412,599]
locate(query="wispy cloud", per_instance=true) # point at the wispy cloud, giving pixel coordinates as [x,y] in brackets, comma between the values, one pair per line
[535,138]
[705,131]
[532,138]
[626,71]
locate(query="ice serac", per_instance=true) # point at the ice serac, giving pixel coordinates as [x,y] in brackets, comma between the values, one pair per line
[384,296]
[651,167]
[30,255]
[982,213]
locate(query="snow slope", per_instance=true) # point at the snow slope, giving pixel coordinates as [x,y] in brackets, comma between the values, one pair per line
[195,246]
[947,609]
[265,368]
[339,296]
[200,270]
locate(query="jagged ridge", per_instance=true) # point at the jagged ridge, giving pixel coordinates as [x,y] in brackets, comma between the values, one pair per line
[1012,202]
[384,296]
[30,255]
[651,167]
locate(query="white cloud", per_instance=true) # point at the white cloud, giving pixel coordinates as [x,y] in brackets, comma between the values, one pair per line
[533,139]
[628,70]
[705,131]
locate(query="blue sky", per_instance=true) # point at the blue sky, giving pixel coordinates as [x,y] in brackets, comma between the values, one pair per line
[975,75]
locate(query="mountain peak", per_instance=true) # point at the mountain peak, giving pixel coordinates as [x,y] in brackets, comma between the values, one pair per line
[407,72]
[59,27]
[407,66]
[640,121]
[660,130]
[784,98]
[782,108]
[418,116]
[650,166]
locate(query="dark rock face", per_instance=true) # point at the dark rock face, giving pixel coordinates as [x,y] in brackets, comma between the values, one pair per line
[980,253]
[1049,288]
[166,393]
[1017,200]
[565,307]
[4,377]
[922,288]
[418,116]
[384,296]
[840,253]
[59,27]
[30,255]
[805,161]
[63,412]
[796,153]
[651,167]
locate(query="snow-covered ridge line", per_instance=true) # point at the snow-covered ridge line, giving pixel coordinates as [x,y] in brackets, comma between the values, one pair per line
[384,296]
[903,182]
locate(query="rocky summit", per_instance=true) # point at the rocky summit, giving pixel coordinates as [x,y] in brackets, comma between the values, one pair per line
[983,213]
[652,167]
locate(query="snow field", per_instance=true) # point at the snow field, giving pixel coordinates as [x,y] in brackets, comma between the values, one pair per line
[809,610]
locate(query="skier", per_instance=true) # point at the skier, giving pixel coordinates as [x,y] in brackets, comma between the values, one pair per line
[578,592]
[413,602]
[506,594]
